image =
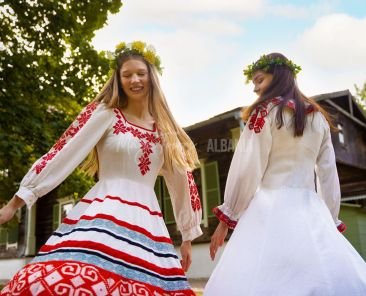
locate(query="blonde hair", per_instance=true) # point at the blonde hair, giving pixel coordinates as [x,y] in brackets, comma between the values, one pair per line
[178,149]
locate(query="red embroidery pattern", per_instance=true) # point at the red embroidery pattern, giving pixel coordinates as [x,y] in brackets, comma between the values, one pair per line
[73,129]
[221,216]
[256,121]
[290,104]
[193,192]
[146,140]
[77,278]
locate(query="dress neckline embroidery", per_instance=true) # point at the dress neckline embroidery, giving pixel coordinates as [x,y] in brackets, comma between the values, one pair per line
[147,138]
[257,119]
[136,125]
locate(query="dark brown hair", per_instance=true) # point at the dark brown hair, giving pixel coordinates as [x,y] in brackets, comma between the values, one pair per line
[284,85]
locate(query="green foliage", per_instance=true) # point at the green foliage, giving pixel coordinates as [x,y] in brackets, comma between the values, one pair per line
[265,62]
[361,96]
[48,71]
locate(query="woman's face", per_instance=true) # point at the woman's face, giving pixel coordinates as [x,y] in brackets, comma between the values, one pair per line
[261,81]
[135,79]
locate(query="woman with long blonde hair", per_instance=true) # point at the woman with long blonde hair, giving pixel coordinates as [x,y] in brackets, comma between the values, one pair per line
[114,241]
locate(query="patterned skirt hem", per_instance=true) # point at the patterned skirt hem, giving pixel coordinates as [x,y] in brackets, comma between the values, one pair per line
[78,278]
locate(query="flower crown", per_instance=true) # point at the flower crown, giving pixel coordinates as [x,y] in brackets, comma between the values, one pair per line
[265,62]
[139,48]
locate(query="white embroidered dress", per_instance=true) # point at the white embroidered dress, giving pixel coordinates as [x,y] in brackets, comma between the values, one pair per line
[114,241]
[285,240]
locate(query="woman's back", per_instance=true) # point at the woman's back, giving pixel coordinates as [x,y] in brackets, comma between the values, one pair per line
[292,160]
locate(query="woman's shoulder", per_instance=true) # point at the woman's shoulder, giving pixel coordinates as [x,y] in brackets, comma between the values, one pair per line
[96,110]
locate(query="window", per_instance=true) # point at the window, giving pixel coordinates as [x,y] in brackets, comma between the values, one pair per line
[9,234]
[340,133]
[61,209]
[208,185]
[163,197]
[235,135]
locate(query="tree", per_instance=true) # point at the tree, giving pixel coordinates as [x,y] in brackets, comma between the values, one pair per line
[361,96]
[49,69]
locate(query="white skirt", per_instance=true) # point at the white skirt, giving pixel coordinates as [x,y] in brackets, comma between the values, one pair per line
[286,243]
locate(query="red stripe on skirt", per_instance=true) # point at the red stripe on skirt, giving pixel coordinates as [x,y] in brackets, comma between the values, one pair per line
[132,227]
[136,204]
[94,246]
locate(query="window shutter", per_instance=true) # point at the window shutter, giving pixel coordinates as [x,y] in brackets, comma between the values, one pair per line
[3,236]
[158,190]
[56,216]
[168,208]
[13,232]
[212,187]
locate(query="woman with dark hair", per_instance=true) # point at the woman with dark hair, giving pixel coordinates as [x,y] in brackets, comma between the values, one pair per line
[287,238]
[114,241]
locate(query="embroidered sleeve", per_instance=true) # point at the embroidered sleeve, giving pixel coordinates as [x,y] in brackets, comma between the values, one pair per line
[247,167]
[327,177]
[186,202]
[68,152]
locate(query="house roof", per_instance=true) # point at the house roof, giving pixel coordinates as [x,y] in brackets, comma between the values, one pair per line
[342,101]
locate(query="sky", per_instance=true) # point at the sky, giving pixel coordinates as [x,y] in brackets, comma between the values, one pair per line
[204,46]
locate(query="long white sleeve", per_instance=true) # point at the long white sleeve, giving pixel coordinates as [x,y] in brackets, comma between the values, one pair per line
[68,152]
[185,201]
[247,167]
[327,176]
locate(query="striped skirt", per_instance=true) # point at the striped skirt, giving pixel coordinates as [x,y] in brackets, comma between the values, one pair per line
[107,245]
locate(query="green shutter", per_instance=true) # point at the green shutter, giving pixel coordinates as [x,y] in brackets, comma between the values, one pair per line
[3,236]
[158,190]
[212,187]
[355,220]
[168,208]
[56,216]
[13,232]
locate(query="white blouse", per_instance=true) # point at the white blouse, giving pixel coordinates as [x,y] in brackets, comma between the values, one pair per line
[125,151]
[268,157]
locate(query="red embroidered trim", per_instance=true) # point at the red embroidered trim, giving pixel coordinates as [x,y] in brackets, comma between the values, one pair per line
[78,278]
[256,121]
[73,129]
[147,138]
[221,216]
[342,227]
[193,192]
[290,104]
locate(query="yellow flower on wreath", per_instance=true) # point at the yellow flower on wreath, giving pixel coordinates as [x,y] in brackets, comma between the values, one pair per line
[138,46]
[149,55]
[120,46]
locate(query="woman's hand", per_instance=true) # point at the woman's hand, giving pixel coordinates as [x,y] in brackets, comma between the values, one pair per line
[8,211]
[186,252]
[218,238]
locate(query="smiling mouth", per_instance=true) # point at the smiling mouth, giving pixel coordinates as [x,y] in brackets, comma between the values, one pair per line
[136,89]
